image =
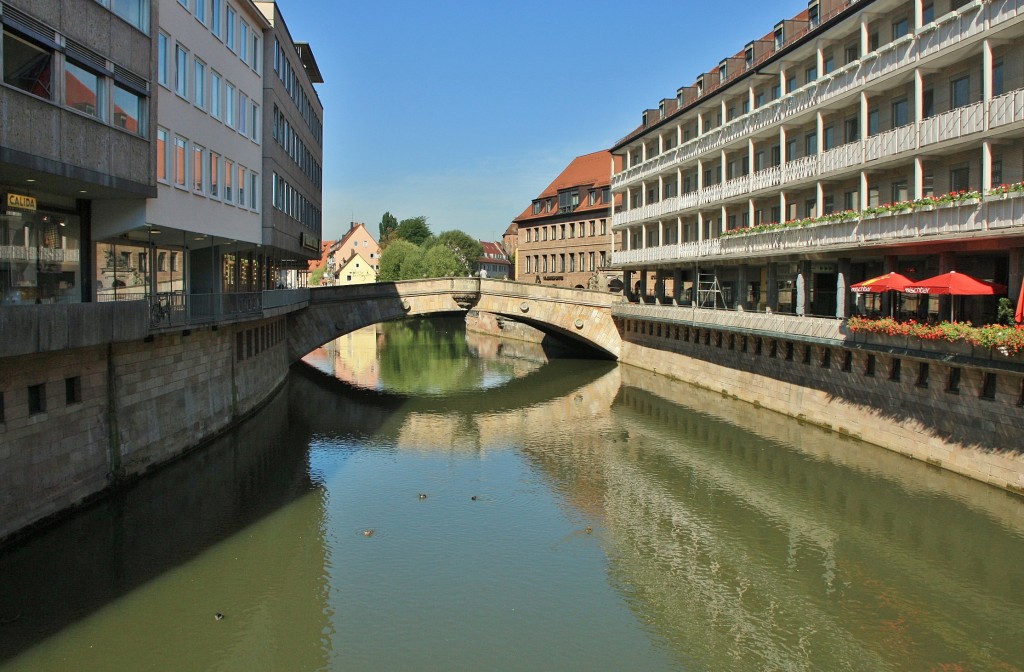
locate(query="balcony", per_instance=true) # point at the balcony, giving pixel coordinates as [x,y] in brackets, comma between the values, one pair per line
[950,29]
[953,125]
[800,169]
[944,33]
[843,156]
[890,143]
[1007,108]
[994,217]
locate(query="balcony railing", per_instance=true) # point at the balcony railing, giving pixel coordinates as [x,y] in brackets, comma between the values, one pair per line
[890,143]
[843,156]
[800,169]
[994,217]
[953,124]
[945,32]
[1007,108]
[736,187]
[766,179]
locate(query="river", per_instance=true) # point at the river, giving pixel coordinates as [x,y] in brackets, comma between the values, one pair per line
[417,498]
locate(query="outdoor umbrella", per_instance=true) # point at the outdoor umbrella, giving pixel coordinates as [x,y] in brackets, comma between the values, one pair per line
[956,284]
[1018,316]
[883,283]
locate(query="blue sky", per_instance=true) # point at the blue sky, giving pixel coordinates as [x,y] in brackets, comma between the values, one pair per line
[463,110]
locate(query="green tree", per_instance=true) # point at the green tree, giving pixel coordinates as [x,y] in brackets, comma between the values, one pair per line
[316,276]
[388,226]
[440,262]
[401,260]
[466,249]
[415,230]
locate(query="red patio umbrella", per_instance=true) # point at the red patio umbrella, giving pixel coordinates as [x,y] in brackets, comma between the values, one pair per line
[1018,316]
[956,284]
[883,283]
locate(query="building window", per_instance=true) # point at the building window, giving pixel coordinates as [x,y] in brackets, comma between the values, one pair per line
[163,64]
[229,178]
[241,186]
[900,113]
[198,168]
[900,27]
[243,41]
[927,14]
[180,71]
[84,90]
[214,174]
[922,374]
[869,367]
[229,29]
[254,53]
[960,92]
[895,369]
[215,12]
[988,386]
[229,104]
[199,84]
[810,74]
[161,155]
[180,150]
[27,66]
[73,390]
[997,78]
[254,122]
[200,11]
[243,113]
[254,183]
[37,399]
[960,178]
[129,110]
[215,84]
[953,382]
[852,129]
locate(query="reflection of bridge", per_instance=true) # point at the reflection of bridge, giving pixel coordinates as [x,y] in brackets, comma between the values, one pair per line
[335,311]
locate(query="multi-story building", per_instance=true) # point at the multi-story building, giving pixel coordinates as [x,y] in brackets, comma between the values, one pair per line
[769,182]
[76,138]
[358,240]
[564,236]
[493,263]
[293,151]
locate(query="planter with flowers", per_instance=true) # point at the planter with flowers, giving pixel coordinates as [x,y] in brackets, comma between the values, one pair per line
[961,338]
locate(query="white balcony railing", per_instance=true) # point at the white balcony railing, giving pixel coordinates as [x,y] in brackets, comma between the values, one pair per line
[1007,108]
[766,179]
[953,124]
[736,187]
[891,143]
[991,217]
[1004,10]
[942,34]
[710,194]
[892,56]
[800,169]
[844,156]
[951,28]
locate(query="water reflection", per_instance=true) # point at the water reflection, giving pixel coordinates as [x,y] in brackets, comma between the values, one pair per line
[620,521]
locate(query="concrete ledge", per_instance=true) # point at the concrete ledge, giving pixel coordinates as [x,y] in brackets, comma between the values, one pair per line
[26,330]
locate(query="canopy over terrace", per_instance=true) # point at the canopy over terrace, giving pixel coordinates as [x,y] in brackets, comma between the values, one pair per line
[955,284]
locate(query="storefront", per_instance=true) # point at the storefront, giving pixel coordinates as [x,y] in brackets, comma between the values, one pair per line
[40,252]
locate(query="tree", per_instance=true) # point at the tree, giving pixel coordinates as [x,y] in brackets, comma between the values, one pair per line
[466,249]
[401,260]
[440,262]
[415,230]
[388,226]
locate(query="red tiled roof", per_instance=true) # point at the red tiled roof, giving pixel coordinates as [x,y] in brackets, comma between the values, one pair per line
[590,171]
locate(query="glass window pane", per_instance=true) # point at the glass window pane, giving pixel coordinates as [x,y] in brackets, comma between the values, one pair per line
[129,109]
[83,90]
[28,67]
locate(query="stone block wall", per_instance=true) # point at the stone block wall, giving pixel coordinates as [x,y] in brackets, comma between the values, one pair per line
[957,416]
[74,422]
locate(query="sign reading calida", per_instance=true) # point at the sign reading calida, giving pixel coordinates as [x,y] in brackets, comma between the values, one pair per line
[21,202]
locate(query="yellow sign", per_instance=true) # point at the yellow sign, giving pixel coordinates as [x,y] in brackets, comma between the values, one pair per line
[21,202]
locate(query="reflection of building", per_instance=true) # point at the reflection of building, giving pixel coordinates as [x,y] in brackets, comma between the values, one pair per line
[232,92]
[844,108]
[494,263]
[73,108]
[565,235]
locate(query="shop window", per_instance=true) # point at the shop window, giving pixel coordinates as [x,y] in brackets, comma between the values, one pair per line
[36,399]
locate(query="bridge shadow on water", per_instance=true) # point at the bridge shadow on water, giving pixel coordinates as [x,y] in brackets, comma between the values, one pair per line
[66,572]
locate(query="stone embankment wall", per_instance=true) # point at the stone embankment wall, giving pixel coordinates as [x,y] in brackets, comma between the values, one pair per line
[74,422]
[502,327]
[956,415]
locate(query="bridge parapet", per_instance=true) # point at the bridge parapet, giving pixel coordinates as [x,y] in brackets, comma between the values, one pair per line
[334,311]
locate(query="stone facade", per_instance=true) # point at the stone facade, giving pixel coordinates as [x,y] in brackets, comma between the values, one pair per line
[77,421]
[951,414]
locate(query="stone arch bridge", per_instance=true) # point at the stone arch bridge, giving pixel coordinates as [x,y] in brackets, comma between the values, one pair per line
[581,315]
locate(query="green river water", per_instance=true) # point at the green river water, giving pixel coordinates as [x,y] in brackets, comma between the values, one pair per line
[579,515]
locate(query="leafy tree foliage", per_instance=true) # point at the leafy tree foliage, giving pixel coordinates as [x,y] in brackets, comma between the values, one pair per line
[388,228]
[440,262]
[415,230]
[401,260]
[466,249]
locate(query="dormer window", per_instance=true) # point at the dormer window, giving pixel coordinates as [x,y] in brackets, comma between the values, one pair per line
[812,14]
[748,55]
[661,109]
[536,207]
[723,71]
[780,37]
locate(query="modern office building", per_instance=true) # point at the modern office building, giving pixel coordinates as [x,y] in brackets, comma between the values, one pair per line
[564,236]
[853,139]
[76,138]
[293,150]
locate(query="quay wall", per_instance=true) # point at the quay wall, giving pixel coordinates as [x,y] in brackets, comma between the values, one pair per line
[962,416]
[77,421]
[502,327]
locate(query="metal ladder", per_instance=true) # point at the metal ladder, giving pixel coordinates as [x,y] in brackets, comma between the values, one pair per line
[709,292]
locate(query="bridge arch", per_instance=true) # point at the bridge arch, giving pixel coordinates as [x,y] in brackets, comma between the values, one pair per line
[335,311]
